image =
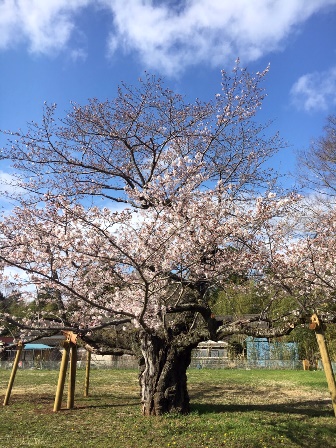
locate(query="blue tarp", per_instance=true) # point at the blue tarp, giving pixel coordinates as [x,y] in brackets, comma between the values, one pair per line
[36,347]
[262,352]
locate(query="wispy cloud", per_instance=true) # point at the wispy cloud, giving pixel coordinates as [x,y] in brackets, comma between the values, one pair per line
[315,91]
[167,35]
[46,26]
[78,54]
[8,188]
[6,182]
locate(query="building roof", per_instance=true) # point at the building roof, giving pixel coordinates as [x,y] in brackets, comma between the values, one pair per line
[214,344]
[6,339]
[37,347]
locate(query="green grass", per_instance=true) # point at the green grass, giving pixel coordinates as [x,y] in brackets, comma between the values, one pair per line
[230,408]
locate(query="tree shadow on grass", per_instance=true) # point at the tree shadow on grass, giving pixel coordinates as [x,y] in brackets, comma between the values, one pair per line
[90,402]
[282,404]
[304,408]
[299,428]
[127,403]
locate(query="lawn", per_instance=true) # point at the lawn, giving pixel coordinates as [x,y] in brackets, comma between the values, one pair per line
[230,408]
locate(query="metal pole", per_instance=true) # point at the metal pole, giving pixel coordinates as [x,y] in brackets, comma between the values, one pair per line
[87,374]
[72,376]
[61,378]
[13,374]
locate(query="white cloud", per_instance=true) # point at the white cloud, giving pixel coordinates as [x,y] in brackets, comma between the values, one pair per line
[167,35]
[46,24]
[315,91]
[198,31]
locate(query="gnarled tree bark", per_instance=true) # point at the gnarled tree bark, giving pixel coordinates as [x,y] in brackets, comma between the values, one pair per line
[163,377]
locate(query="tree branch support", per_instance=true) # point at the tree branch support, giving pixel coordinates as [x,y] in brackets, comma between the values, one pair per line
[69,351]
[13,374]
[317,326]
[87,374]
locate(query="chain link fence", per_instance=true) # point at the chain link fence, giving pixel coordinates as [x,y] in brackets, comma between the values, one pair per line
[225,363]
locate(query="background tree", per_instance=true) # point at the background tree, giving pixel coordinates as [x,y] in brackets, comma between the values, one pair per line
[12,305]
[317,165]
[242,298]
[299,262]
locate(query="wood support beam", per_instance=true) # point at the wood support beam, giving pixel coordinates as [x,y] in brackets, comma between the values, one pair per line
[317,326]
[13,374]
[87,374]
[72,376]
[61,377]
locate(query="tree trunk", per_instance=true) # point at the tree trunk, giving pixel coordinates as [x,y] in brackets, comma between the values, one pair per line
[163,377]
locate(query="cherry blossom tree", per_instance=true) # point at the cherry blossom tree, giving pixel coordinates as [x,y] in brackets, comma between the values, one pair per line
[146,141]
[134,210]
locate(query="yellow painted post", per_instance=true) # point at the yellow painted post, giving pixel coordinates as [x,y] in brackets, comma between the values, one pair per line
[72,376]
[61,377]
[87,374]
[316,325]
[13,374]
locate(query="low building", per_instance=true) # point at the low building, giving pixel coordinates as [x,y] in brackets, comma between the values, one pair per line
[210,354]
[34,355]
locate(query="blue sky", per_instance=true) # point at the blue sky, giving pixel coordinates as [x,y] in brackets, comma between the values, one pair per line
[63,50]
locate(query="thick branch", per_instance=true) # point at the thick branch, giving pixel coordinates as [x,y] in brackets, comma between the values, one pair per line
[260,328]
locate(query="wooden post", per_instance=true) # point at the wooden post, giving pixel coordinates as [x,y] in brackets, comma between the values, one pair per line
[13,374]
[61,378]
[87,374]
[317,325]
[305,364]
[72,376]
